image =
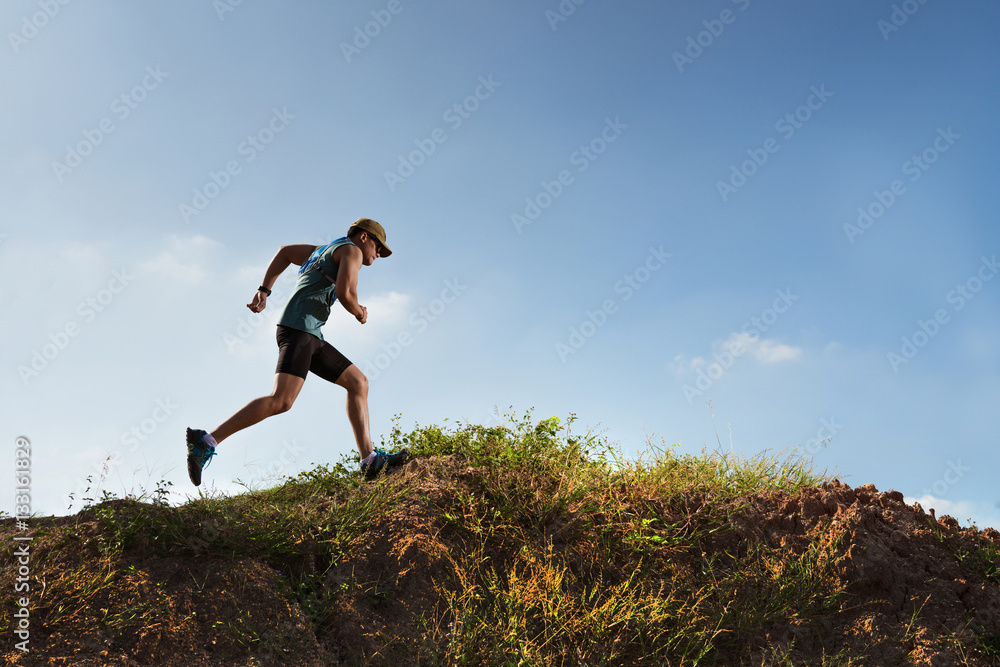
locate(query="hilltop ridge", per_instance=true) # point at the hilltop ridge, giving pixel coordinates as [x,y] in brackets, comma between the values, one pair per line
[520,544]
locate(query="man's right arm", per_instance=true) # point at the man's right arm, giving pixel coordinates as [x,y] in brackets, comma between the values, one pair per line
[295,254]
[287,254]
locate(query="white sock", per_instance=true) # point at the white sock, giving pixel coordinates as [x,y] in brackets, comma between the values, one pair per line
[368,459]
[210,441]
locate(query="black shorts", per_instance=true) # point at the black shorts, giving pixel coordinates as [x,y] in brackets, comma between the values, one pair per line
[300,352]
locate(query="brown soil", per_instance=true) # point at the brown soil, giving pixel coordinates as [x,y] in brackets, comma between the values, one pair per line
[913,602]
[918,589]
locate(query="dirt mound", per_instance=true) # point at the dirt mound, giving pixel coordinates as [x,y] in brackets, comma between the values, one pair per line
[918,589]
[88,610]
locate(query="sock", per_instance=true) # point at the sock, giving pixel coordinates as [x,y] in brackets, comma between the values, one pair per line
[368,459]
[209,440]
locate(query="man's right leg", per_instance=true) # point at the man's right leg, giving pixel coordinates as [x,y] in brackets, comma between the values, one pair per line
[332,366]
[373,461]
[356,384]
[286,389]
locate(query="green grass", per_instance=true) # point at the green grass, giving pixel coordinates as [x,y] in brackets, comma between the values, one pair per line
[560,550]
[577,555]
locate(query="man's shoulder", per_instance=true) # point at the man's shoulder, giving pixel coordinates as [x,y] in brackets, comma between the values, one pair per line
[344,250]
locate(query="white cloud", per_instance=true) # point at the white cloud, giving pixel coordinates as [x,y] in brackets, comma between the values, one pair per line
[984,516]
[770,352]
[85,254]
[54,273]
[391,307]
[764,350]
[387,315]
[184,260]
[38,265]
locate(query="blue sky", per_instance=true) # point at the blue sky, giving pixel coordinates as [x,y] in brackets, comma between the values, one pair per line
[762,225]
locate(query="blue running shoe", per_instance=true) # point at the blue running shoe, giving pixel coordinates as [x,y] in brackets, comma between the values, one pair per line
[199,454]
[383,461]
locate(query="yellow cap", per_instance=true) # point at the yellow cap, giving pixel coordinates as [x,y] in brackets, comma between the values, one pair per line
[375,229]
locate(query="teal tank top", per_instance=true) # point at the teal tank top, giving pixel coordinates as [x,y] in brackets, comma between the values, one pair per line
[315,292]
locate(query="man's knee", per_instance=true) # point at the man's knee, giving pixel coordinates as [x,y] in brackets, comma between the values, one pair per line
[281,404]
[361,383]
[356,382]
[286,389]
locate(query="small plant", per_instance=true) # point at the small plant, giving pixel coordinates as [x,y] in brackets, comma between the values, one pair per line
[983,558]
[989,641]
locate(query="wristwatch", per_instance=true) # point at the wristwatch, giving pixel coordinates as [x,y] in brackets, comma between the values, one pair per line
[264,290]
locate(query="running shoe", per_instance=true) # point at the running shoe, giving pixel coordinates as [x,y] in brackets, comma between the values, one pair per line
[199,454]
[383,461]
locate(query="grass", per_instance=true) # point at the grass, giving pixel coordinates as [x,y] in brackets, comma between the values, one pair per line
[575,555]
[983,559]
[558,550]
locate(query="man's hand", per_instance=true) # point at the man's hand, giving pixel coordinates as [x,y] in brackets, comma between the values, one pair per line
[363,317]
[259,302]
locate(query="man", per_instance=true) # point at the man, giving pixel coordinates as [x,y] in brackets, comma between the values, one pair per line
[328,273]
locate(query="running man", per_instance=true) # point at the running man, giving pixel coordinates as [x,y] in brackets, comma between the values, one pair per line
[327,274]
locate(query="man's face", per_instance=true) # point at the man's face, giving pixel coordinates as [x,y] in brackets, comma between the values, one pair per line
[369,249]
